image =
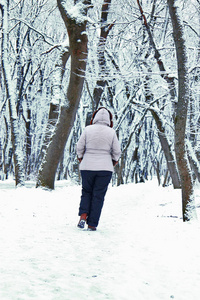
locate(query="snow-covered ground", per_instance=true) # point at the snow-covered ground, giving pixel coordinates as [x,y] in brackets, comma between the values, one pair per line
[142,250]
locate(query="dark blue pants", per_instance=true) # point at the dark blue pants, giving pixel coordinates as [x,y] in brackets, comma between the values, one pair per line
[94,187]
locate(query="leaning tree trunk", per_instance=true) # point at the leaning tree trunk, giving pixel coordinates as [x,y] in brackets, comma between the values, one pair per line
[171,163]
[188,206]
[17,152]
[76,28]
[56,99]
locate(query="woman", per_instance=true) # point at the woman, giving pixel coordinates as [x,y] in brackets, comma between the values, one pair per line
[98,150]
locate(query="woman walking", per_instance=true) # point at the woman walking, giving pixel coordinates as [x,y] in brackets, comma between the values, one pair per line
[98,150]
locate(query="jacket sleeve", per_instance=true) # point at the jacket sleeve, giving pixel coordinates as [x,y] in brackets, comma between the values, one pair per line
[80,147]
[116,151]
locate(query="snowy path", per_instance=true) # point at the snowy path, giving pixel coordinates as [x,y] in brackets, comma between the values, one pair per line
[142,249]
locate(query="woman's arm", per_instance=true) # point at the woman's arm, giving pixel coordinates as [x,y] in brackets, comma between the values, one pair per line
[116,151]
[80,147]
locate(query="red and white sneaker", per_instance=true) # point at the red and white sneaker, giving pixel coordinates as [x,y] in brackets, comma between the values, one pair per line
[81,224]
[82,221]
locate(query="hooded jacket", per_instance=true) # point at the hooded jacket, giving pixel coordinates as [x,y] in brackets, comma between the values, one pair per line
[98,144]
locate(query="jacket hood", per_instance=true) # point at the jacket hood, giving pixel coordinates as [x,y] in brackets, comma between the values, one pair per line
[102,117]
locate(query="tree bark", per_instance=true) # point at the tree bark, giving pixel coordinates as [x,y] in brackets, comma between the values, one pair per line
[54,107]
[78,51]
[188,206]
[105,29]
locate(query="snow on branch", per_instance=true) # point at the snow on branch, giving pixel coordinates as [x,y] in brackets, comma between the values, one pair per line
[58,46]
[77,11]
[43,35]
[188,25]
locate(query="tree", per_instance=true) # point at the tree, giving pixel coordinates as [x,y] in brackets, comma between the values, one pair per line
[104,31]
[171,162]
[188,206]
[24,65]
[17,152]
[76,28]
[131,68]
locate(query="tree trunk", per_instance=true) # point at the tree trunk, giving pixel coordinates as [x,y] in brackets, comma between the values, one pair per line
[170,159]
[105,29]
[55,103]
[194,162]
[28,142]
[171,162]
[188,206]
[17,152]
[78,51]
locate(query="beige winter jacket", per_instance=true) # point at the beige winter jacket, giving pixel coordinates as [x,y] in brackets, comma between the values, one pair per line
[98,144]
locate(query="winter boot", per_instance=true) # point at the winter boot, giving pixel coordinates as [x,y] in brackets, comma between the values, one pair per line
[82,221]
[91,228]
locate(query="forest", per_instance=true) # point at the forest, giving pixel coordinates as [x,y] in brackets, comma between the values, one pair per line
[61,60]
